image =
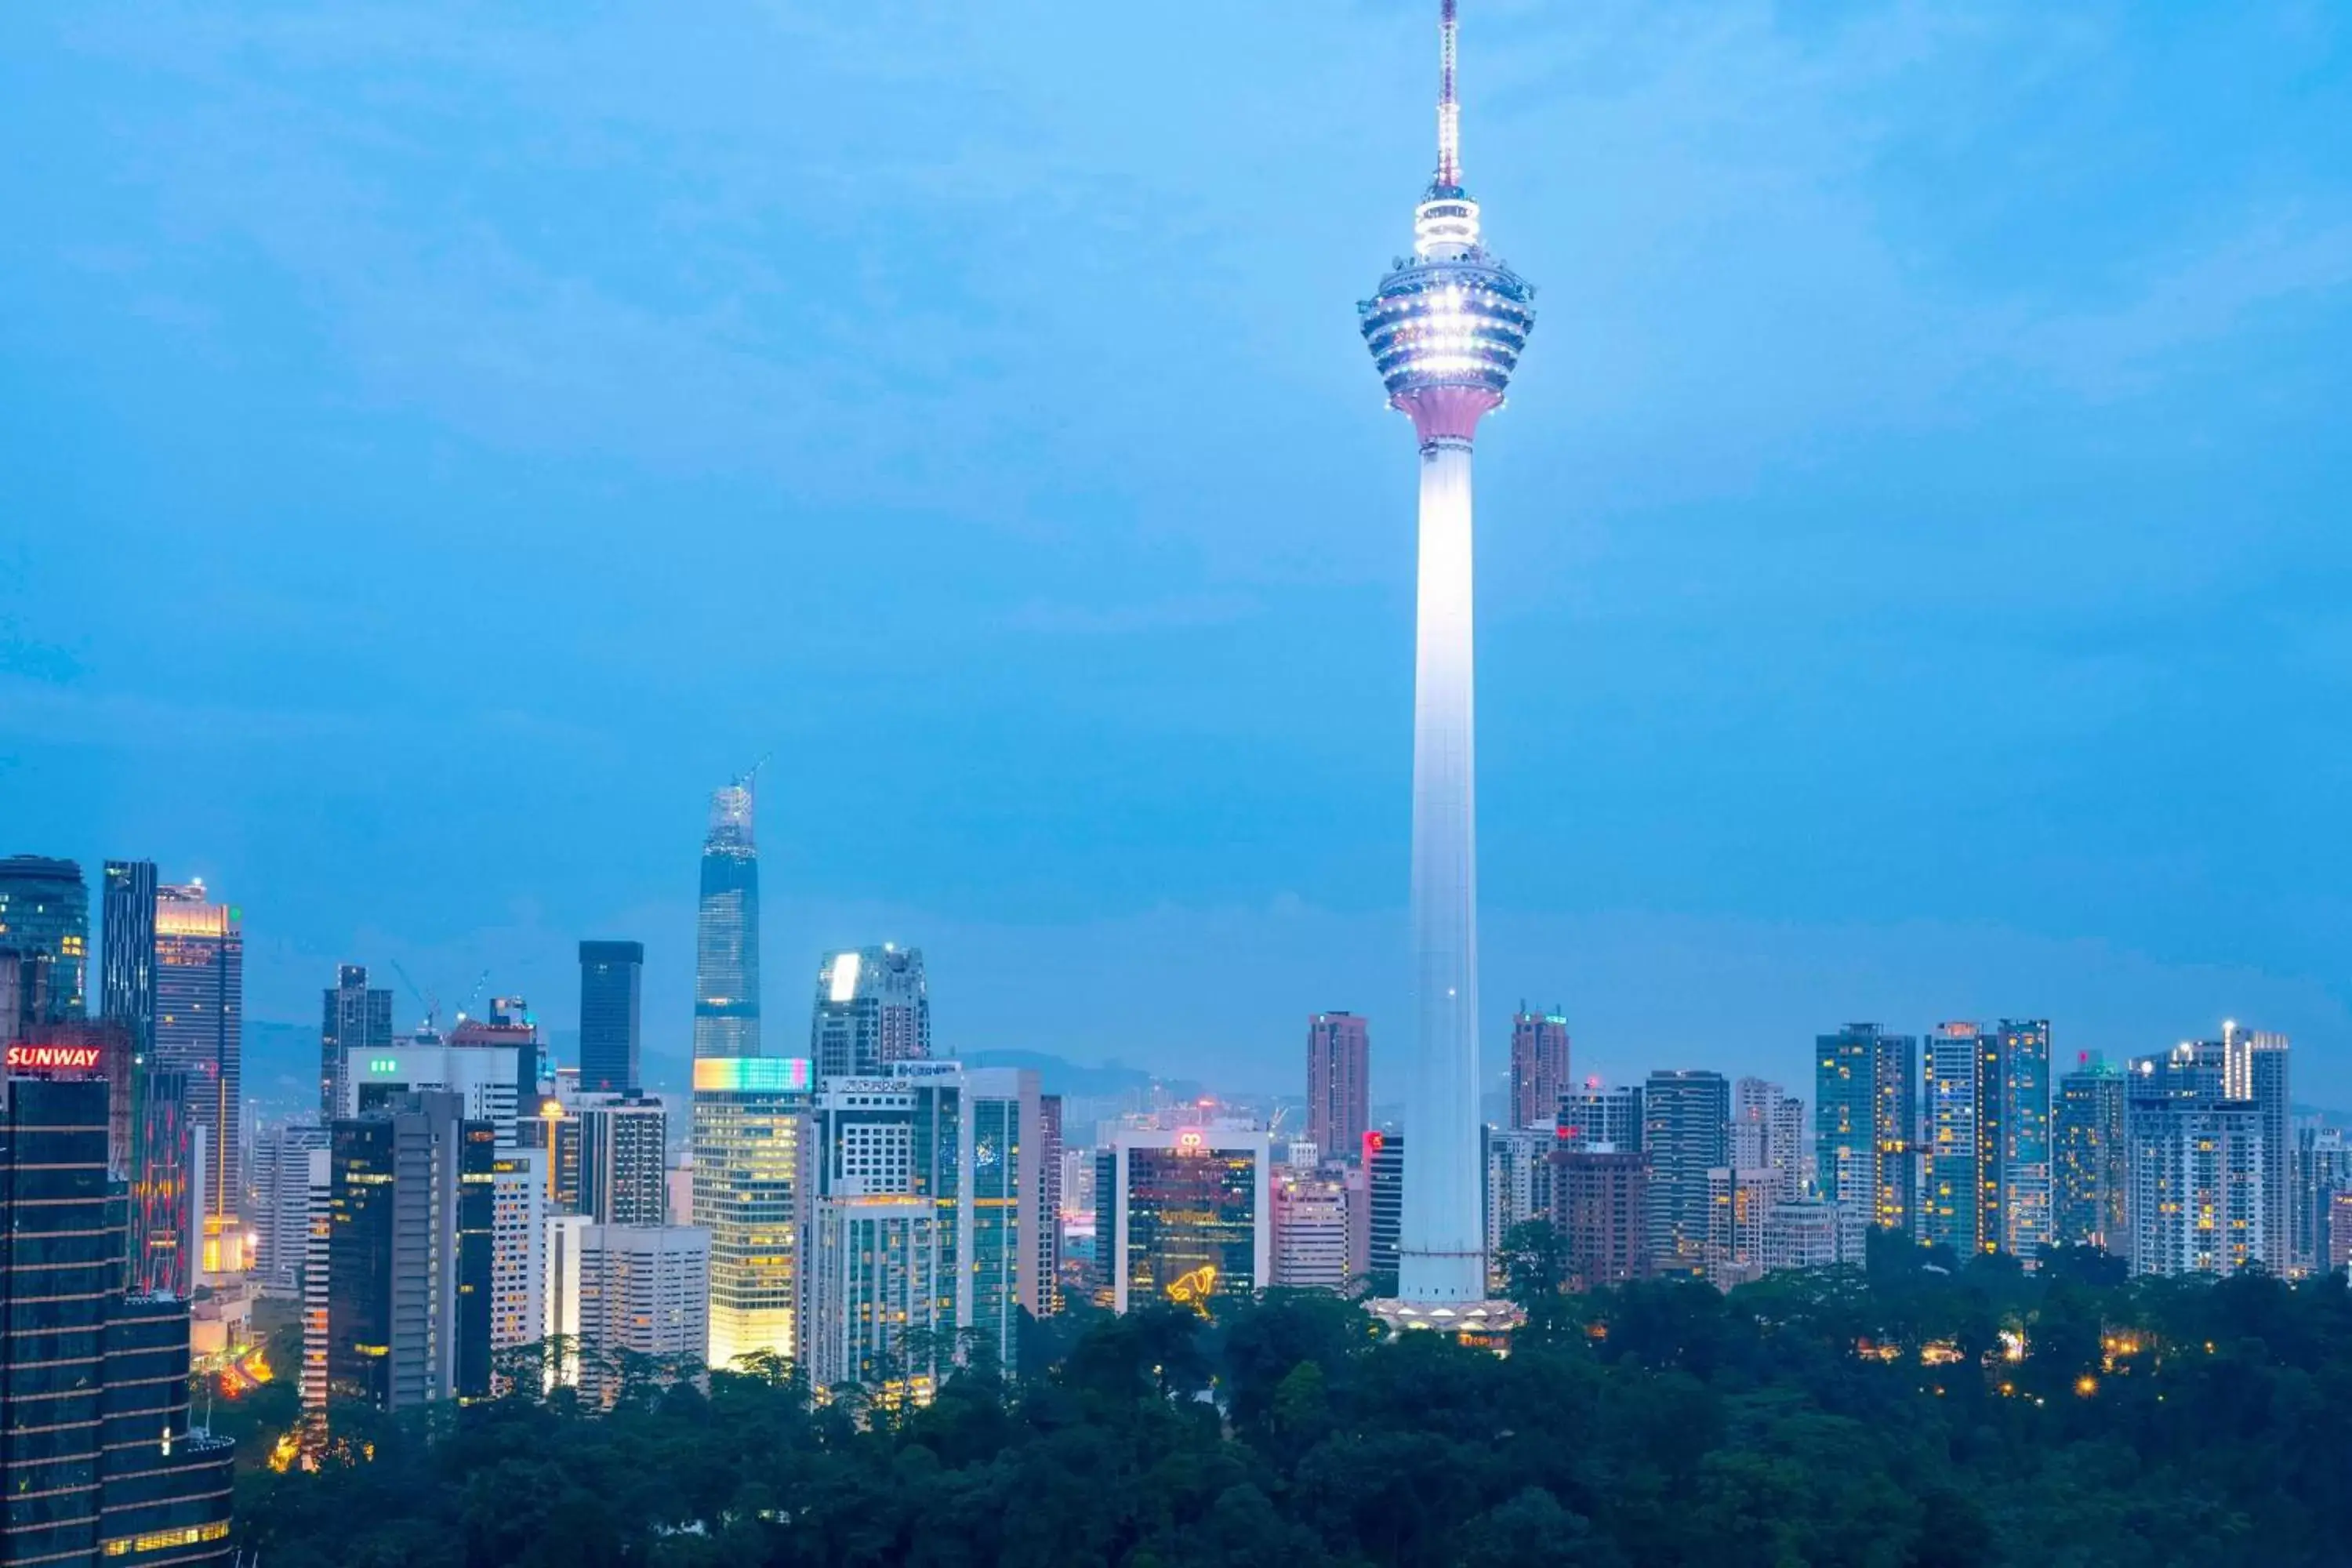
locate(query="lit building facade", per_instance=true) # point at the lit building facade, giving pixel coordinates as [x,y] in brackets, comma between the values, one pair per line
[510,1027]
[127,954]
[1189,1216]
[1338,1083]
[873,1008]
[200,1032]
[518,1252]
[1049,1205]
[1687,1117]
[2091,1164]
[1865,1122]
[623,1163]
[751,1122]
[1518,1184]
[1446,329]
[1738,1206]
[1540,1074]
[727,931]
[623,1291]
[1311,1245]
[1598,1117]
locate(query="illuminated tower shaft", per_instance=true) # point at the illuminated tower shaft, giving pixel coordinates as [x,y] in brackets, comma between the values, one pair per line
[1445,330]
[1442,1243]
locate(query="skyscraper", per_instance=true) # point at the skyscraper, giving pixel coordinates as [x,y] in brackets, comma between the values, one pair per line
[2022,1077]
[1597,1117]
[1767,1131]
[1445,330]
[1538,1066]
[1865,1122]
[2197,1166]
[101,1461]
[281,1191]
[626,1290]
[1048,1275]
[1960,1121]
[1385,1203]
[1310,1230]
[873,1008]
[1338,1084]
[751,1124]
[727,930]
[2091,1179]
[1601,1206]
[352,1019]
[1188,1216]
[127,958]
[623,1174]
[409,1254]
[200,1031]
[509,1024]
[611,982]
[2254,1065]
[44,916]
[1687,1116]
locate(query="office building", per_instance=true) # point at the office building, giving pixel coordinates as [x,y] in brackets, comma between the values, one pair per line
[356,1019]
[1338,1083]
[1598,1117]
[200,1032]
[1445,391]
[750,1123]
[409,1254]
[727,931]
[44,916]
[555,1132]
[509,1027]
[165,1222]
[1189,1216]
[481,1074]
[1311,1242]
[1049,1205]
[101,1462]
[317,1300]
[612,986]
[873,1008]
[1601,1206]
[1687,1116]
[281,1204]
[1865,1122]
[925,1214]
[1384,1208]
[127,958]
[623,1162]
[632,1301]
[1539,1075]
[2091,1176]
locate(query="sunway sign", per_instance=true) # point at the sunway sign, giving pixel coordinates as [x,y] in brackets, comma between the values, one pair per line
[24,1057]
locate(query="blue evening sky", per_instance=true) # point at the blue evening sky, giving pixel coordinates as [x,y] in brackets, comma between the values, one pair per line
[438,443]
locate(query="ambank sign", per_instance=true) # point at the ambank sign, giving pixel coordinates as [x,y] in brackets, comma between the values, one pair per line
[27,1058]
[926,1070]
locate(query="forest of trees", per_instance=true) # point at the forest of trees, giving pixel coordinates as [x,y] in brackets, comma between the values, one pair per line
[1915,1413]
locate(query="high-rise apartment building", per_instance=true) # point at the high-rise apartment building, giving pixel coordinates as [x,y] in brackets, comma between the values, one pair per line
[517,1254]
[623,1163]
[873,1008]
[611,988]
[1049,1205]
[618,1292]
[2020,1158]
[751,1124]
[1768,1133]
[1601,1206]
[1739,1204]
[2323,1168]
[200,1031]
[1519,1185]
[44,916]
[1338,1083]
[127,958]
[1189,1216]
[1687,1117]
[1598,1117]
[1865,1122]
[727,931]
[2254,1066]
[409,1254]
[1960,1121]
[2091,1170]
[281,1204]
[1539,1075]
[354,1019]
[2196,1162]
[1813,1233]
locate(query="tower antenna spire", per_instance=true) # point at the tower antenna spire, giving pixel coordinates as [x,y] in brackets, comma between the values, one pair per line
[1449,107]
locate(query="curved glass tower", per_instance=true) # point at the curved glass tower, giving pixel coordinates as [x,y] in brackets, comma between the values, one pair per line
[727,930]
[1445,330]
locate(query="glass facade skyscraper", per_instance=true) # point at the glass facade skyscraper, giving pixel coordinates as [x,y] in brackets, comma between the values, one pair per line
[727,930]
[354,1017]
[127,953]
[1865,1122]
[1188,1216]
[751,1122]
[612,987]
[873,1008]
[200,1031]
[44,917]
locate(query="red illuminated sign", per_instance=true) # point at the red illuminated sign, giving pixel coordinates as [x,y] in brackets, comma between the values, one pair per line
[22,1056]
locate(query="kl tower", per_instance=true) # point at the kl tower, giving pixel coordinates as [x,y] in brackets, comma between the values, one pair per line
[1446,332]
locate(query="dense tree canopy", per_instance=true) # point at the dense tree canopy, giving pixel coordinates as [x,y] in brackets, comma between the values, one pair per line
[1906,1415]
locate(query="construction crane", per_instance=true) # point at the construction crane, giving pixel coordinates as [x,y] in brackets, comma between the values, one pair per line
[432,1003]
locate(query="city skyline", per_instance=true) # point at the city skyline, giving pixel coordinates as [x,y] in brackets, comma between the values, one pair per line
[1803,419]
